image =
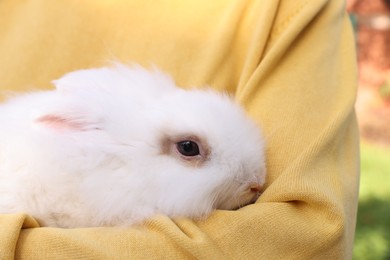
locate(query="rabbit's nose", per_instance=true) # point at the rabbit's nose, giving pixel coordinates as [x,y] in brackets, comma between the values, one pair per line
[255,187]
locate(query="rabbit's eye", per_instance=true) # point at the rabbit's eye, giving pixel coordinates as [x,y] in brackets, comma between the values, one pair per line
[188,148]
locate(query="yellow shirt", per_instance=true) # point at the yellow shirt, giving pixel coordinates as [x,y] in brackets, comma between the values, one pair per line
[290,63]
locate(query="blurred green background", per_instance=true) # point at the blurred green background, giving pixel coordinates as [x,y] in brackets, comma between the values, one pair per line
[371,20]
[372,240]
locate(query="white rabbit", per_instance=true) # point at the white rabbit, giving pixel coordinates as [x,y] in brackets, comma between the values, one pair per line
[114,146]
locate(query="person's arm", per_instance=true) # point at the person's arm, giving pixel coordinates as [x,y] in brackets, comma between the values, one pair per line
[290,63]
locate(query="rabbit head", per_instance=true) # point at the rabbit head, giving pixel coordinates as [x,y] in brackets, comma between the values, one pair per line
[212,152]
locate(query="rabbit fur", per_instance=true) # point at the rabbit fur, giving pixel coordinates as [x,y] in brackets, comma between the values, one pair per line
[102,150]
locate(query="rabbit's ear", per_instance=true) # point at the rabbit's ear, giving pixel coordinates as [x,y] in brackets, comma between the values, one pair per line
[80,79]
[68,122]
[118,75]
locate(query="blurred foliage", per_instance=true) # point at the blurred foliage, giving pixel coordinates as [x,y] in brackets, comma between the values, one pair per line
[384,89]
[372,239]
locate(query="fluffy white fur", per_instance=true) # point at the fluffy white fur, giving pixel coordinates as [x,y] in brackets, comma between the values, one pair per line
[97,150]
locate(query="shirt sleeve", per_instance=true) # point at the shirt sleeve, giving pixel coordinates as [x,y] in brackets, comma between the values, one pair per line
[291,64]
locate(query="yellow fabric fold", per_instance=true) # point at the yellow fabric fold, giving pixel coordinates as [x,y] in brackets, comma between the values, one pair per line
[291,64]
[11,226]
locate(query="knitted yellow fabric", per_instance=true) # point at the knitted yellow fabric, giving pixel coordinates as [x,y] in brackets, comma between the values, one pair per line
[290,63]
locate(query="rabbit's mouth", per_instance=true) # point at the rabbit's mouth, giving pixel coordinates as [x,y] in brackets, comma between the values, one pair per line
[252,196]
[243,197]
[255,188]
